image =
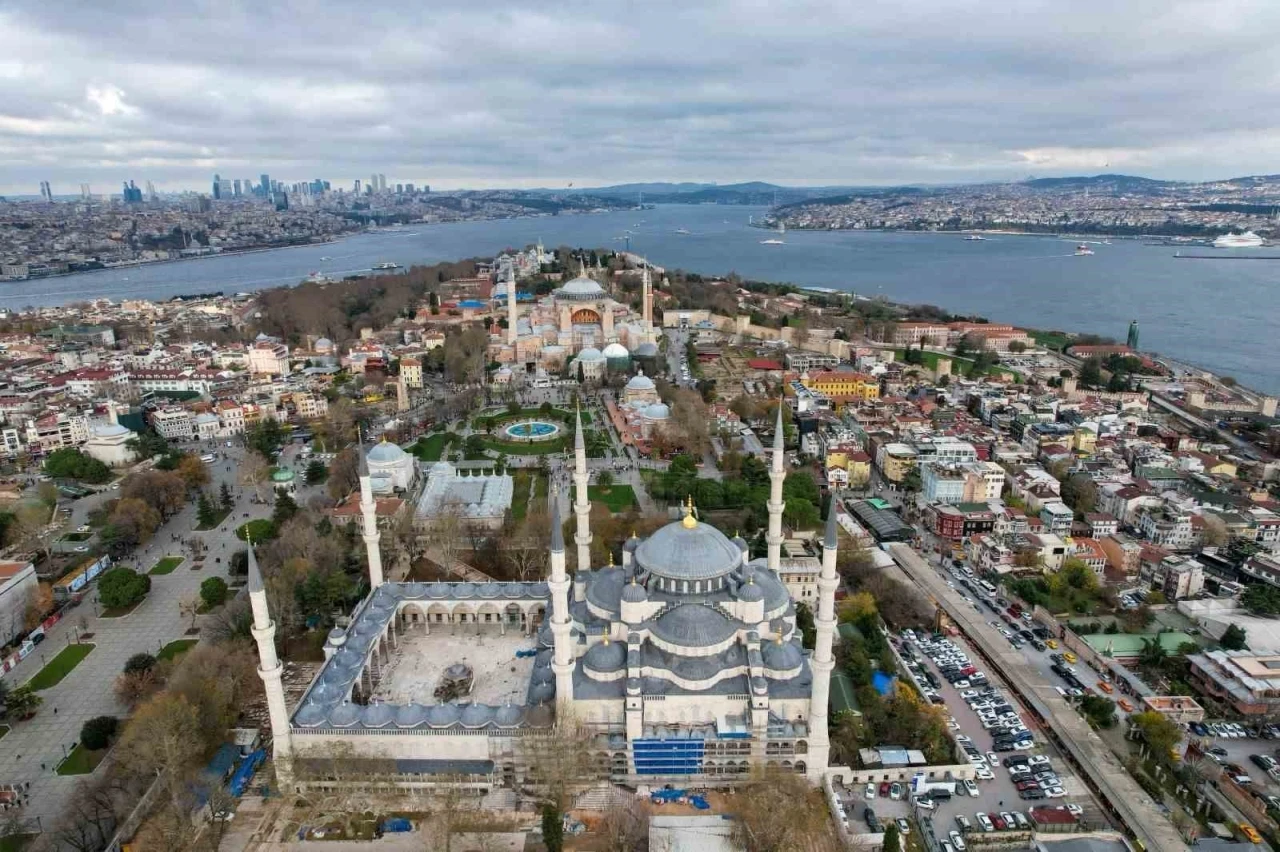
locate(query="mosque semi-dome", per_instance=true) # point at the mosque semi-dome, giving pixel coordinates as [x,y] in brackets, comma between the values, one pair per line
[606,657]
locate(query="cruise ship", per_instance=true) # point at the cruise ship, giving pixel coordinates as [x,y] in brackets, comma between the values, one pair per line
[1246,240]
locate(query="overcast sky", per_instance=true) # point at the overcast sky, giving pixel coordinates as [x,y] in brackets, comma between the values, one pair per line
[503,94]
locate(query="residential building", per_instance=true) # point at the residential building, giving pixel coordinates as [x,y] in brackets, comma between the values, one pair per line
[799,361]
[1249,683]
[843,386]
[984,480]
[174,424]
[411,370]
[230,418]
[1166,528]
[268,357]
[57,431]
[1183,578]
[1123,554]
[1101,524]
[895,461]
[800,576]
[1057,517]
[1090,552]
[942,483]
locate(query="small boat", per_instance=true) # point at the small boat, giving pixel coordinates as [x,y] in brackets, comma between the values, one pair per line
[325,258]
[1082,250]
[681,231]
[773,242]
[386,265]
[974,238]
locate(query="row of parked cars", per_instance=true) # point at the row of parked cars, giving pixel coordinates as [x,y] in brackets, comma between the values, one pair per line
[952,663]
[1226,730]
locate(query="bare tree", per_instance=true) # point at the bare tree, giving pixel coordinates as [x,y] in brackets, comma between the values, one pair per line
[561,759]
[778,811]
[625,828]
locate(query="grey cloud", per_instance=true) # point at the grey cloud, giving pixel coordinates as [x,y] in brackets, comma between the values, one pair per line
[522,93]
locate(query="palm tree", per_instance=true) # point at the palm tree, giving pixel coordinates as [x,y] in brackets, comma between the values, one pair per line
[1152,655]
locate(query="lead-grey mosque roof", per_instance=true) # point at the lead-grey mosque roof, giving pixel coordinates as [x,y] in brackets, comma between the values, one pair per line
[327,704]
[386,452]
[634,592]
[582,288]
[781,656]
[693,553]
[693,625]
[606,657]
[646,350]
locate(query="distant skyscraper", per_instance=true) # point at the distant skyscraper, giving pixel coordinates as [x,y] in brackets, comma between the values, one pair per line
[373,183]
[1133,336]
[408,187]
[357,189]
[84,191]
[399,189]
[382,183]
[217,186]
[132,195]
[266,185]
[235,187]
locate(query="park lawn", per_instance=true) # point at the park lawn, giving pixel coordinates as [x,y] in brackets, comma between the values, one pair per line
[176,649]
[261,529]
[4,729]
[218,518]
[81,761]
[166,566]
[120,611]
[520,494]
[430,448]
[60,666]
[16,842]
[619,498]
[1050,339]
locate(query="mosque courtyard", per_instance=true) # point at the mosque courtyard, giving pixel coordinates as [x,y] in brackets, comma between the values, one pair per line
[417,666]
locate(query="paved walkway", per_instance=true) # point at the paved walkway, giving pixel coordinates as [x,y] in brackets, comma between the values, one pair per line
[32,749]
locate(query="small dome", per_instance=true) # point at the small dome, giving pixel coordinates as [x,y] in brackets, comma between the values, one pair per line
[377,715]
[344,715]
[741,542]
[410,716]
[640,382]
[616,350]
[509,715]
[385,453]
[476,716]
[310,716]
[324,343]
[337,636]
[634,592]
[542,693]
[657,411]
[443,715]
[750,592]
[647,350]
[283,474]
[606,657]
[443,468]
[590,353]
[782,656]
[110,430]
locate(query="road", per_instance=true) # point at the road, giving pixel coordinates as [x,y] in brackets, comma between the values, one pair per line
[1092,757]
[32,749]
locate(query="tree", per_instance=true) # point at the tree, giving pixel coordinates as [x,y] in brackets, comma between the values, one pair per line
[1261,599]
[552,828]
[604,479]
[29,528]
[190,607]
[23,701]
[39,604]
[122,587]
[316,473]
[1080,493]
[253,471]
[148,444]
[265,437]
[1091,373]
[1214,533]
[70,463]
[161,490]
[342,473]
[777,811]
[163,738]
[193,471]
[206,512]
[141,662]
[1160,732]
[892,839]
[96,733]
[1234,638]
[225,497]
[286,507]
[213,592]
[1152,655]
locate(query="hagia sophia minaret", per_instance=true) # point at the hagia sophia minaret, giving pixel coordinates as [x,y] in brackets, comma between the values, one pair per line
[777,475]
[646,304]
[581,505]
[271,671]
[369,516]
[822,662]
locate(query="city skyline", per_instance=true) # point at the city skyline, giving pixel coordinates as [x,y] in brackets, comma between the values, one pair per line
[518,96]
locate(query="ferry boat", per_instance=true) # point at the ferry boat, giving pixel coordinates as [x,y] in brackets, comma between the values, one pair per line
[1246,240]
[773,242]
[385,265]
[1082,250]
[974,238]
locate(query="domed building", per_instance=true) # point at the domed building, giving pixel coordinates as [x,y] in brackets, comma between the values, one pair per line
[617,358]
[639,389]
[684,663]
[391,468]
[284,481]
[589,364]
[109,444]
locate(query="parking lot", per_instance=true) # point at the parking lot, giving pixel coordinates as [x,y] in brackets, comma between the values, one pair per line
[996,788]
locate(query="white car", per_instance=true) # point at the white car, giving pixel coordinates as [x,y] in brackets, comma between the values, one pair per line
[1024,745]
[1038,760]
[993,758]
[870,792]
[984,774]
[924,804]
[971,788]
[1075,810]
[984,821]
[957,840]
[1055,793]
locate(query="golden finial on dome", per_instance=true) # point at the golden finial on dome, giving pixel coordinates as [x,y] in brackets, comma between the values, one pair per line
[610,557]
[689,522]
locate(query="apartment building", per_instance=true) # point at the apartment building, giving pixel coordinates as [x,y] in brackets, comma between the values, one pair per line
[174,424]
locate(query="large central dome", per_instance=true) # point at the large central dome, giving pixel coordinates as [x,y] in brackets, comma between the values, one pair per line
[688,550]
[582,288]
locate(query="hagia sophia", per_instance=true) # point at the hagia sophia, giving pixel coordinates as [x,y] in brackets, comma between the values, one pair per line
[683,664]
[578,324]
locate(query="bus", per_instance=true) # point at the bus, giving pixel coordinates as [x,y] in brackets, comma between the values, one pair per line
[75,581]
[986,584]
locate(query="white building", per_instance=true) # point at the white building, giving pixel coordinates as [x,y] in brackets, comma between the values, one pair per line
[174,424]
[109,442]
[207,426]
[268,357]
[475,499]
[17,582]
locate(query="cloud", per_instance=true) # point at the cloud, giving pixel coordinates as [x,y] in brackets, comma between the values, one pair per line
[524,94]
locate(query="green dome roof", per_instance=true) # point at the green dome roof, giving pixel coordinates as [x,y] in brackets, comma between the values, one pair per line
[283,474]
